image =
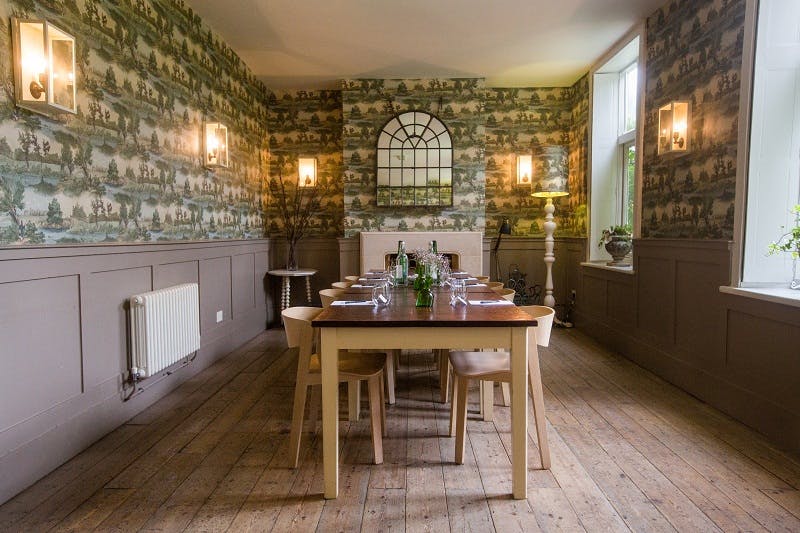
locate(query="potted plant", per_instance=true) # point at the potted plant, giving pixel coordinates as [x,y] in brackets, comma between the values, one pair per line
[617,241]
[790,242]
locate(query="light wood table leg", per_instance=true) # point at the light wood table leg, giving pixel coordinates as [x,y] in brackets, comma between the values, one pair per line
[286,293]
[519,412]
[330,411]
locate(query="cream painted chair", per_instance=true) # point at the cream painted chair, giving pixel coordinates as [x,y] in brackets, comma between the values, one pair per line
[361,366]
[328,296]
[508,294]
[351,278]
[494,284]
[341,284]
[496,366]
[482,279]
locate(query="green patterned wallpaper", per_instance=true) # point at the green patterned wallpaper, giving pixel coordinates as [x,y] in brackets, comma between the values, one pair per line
[127,167]
[694,53]
[518,121]
[367,105]
[308,124]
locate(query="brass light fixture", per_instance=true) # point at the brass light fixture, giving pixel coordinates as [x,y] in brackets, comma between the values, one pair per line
[44,67]
[307,171]
[524,169]
[215,145]
[673,128]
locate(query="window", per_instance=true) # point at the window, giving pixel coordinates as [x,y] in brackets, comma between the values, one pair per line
[415,161]
[773,173]
[615,105]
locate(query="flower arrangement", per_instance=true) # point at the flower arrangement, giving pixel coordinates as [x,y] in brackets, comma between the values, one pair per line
[790,240]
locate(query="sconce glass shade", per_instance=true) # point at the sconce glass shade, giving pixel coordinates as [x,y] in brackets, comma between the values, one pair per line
[673,128]
[215,145]
[307,171]
[524,169]
[551,178]
[44,67]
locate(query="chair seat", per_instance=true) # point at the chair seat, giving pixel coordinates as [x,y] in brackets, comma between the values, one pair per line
[482,365]
[353,365]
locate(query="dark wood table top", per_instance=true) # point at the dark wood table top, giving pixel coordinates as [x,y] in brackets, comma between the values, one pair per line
[402,312]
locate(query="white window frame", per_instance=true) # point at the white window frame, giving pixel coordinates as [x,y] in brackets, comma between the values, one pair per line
[753,287]
[607,141]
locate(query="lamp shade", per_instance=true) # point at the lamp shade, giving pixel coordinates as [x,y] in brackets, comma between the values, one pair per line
[673,128]
[505,228]
[551,176]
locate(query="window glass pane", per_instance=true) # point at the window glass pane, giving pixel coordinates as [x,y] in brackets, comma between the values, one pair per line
[395,179]
[433,176]
[383,176]
[446,158]
[383,158]
[420,177]
[628,87]
[629,182]
[420,157]
[383,140]
[407,118]
[446,176]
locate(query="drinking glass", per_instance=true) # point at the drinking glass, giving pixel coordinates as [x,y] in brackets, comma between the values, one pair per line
[381,294]
[457,291]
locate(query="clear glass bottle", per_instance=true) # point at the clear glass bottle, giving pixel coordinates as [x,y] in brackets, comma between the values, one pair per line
[402,264]
[433,270]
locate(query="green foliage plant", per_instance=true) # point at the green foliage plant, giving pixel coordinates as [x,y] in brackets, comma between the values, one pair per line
[614,231]
[790,240]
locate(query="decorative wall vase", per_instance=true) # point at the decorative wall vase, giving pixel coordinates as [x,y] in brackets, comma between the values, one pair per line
[424,297]
[618,246]
[291,261]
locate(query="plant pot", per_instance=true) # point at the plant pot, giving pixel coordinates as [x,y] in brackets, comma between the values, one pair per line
[619,246]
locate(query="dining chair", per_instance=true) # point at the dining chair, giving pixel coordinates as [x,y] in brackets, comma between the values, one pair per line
[328,296]
[508,294]
[352,366]
[341,284]
[496,366]
[494,284]
[351,278]
[482,279]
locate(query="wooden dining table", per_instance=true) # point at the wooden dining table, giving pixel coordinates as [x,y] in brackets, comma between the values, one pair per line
[402,325]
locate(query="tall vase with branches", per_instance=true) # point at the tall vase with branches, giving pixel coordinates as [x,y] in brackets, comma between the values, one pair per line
[295,206]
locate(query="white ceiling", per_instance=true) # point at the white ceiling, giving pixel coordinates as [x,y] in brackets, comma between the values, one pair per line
[311,44]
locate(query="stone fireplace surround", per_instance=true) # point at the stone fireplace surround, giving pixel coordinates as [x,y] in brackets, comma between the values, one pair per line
[466,245]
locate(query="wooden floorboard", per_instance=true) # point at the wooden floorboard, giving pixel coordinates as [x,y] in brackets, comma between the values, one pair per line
[630,452]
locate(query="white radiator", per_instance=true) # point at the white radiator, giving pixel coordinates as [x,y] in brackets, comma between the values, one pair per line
[165,328]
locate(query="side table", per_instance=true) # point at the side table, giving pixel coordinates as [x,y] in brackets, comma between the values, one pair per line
[286,283]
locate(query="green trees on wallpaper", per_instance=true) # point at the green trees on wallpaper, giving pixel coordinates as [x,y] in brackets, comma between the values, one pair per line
[128,167]
[692,196]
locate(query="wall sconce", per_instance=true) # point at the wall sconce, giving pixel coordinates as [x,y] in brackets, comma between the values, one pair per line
[215,145]
[307,171]
[673,128]
[44,67]
[524,169]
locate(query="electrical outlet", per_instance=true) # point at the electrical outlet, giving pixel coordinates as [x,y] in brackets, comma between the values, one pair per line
[219,316]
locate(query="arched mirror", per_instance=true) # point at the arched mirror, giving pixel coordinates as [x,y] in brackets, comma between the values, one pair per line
[415,161]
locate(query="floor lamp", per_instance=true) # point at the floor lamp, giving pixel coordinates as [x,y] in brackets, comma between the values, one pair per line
[550,182]
[505,229]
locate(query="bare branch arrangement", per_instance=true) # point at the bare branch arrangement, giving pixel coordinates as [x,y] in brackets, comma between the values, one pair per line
[295,205]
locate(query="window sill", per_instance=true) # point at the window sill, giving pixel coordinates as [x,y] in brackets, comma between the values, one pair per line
[624,269]
[778,295]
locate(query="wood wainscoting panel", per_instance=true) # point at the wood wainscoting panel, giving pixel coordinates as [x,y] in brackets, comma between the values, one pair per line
[170,274]
[41,343]
[656,298]
[243,284]
[215,292]
[105,319]
[699,321]
[592,297]
[621,306]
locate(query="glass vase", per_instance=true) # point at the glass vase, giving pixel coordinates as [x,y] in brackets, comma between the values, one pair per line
[291,261]
[425,297]
[795,283]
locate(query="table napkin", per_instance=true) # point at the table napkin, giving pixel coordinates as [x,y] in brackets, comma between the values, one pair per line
[476,285]
[349,303]
[490,302]
[363,285]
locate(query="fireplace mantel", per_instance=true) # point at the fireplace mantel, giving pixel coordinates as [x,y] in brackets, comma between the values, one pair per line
[467,245]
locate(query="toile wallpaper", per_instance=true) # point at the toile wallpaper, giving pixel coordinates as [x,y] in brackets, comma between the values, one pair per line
[308,124]
[127,167]
[367,105]
[519,120]
[695,54]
